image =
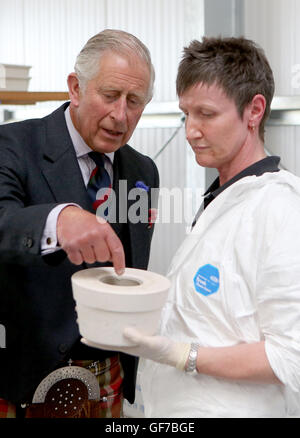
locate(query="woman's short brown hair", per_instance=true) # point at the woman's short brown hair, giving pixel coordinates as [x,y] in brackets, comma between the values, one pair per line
[238,65]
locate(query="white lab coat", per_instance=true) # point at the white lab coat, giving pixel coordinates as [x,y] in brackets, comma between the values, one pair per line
[235,279]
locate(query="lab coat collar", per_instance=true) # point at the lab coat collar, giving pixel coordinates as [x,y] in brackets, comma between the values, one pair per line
[268,164]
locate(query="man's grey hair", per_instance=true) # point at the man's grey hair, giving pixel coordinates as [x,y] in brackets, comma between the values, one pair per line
[88,60]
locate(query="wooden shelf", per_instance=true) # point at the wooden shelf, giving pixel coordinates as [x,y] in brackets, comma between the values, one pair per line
[30,97]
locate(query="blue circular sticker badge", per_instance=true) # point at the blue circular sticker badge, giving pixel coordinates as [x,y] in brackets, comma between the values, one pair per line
[207,280]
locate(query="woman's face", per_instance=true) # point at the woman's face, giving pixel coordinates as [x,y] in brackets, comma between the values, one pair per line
[214,128]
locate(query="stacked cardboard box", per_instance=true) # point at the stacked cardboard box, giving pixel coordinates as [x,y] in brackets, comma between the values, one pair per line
[14,77]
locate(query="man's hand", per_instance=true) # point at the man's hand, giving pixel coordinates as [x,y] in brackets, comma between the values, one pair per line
[87,238]
[157,348]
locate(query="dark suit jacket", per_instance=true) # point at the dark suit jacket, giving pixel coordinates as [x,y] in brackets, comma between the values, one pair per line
[38,170]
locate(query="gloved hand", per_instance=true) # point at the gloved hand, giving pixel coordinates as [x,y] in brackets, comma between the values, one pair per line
[157,348]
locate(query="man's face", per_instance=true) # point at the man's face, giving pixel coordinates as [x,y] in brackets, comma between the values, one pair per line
[214,128]
[107,111]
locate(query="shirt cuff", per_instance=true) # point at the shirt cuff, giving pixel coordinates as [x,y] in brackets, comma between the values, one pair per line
[49,237]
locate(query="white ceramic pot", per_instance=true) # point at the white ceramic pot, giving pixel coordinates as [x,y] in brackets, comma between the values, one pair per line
[107,303]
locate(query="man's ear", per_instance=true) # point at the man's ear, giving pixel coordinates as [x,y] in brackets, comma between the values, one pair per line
[256,110]
[74,89]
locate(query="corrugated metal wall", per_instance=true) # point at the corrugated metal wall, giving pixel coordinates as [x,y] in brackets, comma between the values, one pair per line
[48,34]
[275,25]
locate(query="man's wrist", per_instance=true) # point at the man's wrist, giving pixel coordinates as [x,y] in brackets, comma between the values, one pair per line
[49,242]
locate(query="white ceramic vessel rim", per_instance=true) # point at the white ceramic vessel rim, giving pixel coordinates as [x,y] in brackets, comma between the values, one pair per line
[148,282]
[124,281]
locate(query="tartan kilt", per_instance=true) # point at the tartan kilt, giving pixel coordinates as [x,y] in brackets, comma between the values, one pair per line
[109,374]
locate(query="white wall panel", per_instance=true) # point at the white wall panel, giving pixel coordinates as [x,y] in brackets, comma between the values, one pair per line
[54,34]
[172,166]
[165,26]
[275,25]
[12,48]
[48,34]
[45,34]
[281,140]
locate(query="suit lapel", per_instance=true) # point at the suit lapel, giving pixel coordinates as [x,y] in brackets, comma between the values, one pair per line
[60,166]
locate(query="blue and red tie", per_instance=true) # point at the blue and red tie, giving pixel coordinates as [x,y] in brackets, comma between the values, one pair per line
[99,179]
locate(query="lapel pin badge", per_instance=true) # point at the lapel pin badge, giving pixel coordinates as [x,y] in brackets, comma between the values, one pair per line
[141,185]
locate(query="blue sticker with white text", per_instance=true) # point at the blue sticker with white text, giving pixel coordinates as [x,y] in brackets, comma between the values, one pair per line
[207,280]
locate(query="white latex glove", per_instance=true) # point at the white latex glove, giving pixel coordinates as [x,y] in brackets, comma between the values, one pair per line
[157,348]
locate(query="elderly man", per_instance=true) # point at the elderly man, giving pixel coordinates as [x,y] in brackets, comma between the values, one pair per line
[230,330]
[51,170]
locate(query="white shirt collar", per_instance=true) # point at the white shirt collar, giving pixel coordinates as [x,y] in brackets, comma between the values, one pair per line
[81,148]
